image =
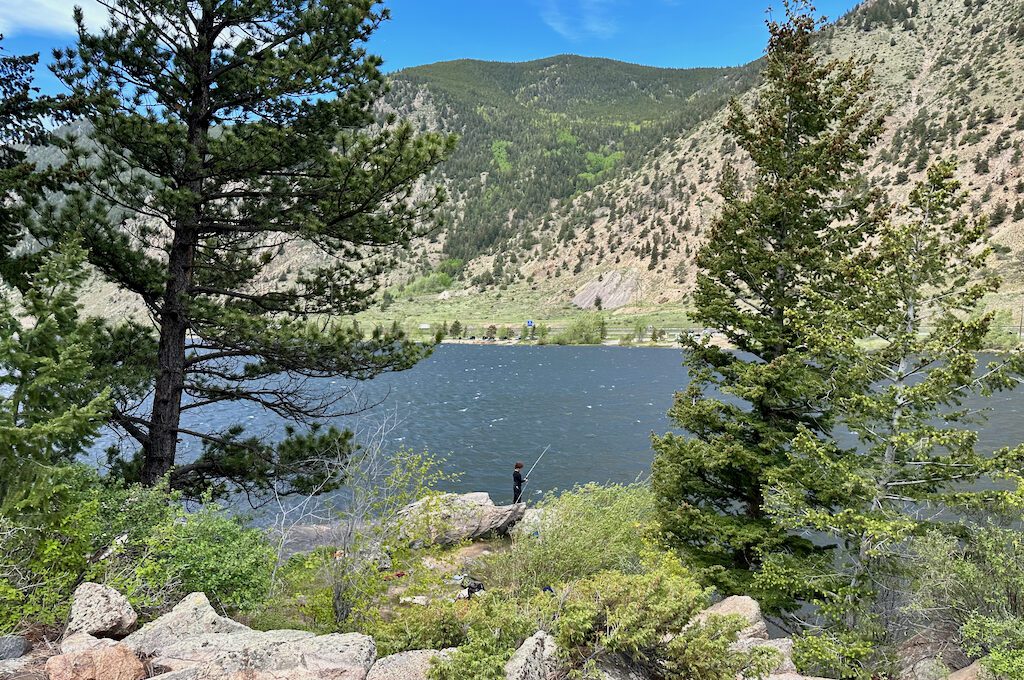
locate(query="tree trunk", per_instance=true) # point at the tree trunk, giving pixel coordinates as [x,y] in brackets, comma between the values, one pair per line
[174,314]
[170,381]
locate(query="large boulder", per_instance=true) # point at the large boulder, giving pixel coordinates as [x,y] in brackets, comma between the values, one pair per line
[450,518]
[534,660]
[406,665]
[103,663]
[77,642]
[192,616]
[100,611]
[13,647]
[271,655]
[930,655]
[743,606]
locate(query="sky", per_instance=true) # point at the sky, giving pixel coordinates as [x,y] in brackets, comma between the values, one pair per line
[668,33]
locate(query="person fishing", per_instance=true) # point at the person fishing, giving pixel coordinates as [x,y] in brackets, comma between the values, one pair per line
[517,481]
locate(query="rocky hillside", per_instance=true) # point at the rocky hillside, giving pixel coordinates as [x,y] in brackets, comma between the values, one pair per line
[623,225]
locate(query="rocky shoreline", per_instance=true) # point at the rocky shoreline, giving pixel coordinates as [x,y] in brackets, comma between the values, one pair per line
[102,640]
[194,642]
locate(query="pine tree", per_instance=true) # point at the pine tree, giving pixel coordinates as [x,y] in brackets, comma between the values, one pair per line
[916,465]
[54,401]
[23,122]
[793,232]
[222,133]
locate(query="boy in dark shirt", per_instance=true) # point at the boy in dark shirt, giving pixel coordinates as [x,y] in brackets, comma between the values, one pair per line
[517,482]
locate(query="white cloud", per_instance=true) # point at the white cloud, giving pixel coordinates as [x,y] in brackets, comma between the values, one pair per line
[576,19]
[51,16]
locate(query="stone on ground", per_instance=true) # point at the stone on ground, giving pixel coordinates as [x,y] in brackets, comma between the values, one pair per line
[104,663]
[77,642]
[746,607]
[406,665]
[100,611]
[13,647]
[534,660]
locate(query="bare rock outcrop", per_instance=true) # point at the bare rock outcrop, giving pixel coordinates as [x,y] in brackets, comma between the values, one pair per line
[190,617]
[450,518]
[291,654]
[614,289]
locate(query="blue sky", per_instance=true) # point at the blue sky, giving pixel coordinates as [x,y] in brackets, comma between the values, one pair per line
[671,33]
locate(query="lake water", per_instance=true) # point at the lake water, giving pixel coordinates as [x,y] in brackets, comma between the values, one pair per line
[484,407]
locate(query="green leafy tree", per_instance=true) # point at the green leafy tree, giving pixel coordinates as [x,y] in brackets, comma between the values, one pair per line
[792,232]
[220,133]
[455,330]
[916,464]
[54,401]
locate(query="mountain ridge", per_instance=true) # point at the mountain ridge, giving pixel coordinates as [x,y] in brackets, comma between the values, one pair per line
[951,75]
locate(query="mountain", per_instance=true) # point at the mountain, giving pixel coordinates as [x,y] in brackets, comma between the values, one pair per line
[583,178]
[544,131]
[580,181]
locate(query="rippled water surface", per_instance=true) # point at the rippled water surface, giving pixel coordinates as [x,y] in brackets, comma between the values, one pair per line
[484,407]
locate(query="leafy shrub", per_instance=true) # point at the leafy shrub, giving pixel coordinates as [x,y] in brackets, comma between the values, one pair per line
[976,586]
[212,552]
[645,618]
[138,540]
[436,626]
[590,529]
[494,624]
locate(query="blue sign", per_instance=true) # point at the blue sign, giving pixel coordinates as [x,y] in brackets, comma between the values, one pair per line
[529,324]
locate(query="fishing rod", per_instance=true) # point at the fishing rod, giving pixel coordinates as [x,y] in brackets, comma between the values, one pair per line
[535,465]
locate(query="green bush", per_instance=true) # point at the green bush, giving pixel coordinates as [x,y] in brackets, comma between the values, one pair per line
[91,531]
[212,552]
[437,626]
[590,529]
[436,282]
[644,617]
[138,540]
[977,586]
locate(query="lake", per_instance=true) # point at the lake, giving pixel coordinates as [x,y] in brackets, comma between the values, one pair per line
[484,407]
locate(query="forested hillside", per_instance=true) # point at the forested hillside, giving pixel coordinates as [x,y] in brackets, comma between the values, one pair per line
[581,182]
[543,131]
[584,180]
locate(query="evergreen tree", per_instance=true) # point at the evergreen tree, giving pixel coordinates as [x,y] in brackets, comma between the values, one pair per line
[792,233]
[54,401]
[220,132]
[23,116]
[455,331]
[916,465]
